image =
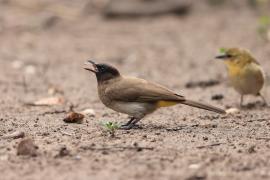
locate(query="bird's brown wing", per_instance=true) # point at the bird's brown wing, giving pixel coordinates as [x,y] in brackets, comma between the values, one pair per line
[138,90]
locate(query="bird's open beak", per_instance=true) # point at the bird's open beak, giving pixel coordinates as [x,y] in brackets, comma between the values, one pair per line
[94,66]
[223,56]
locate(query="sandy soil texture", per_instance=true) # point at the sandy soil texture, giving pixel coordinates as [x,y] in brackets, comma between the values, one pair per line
[43,46]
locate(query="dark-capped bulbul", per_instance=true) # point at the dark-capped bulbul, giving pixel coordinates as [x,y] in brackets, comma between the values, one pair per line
[136,97]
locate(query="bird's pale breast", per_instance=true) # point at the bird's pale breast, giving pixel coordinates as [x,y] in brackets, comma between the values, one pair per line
[247,80]
[135,109]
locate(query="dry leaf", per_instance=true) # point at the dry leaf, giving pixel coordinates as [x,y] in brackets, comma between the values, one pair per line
[48,101]
[74,117]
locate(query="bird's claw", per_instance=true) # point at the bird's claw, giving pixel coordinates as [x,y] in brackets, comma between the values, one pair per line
[128,127]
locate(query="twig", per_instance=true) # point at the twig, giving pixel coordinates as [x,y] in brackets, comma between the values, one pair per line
[175,129]
[263,138]
[260,120]
[33,104]
[209,145]
[66,133]
[53,112]
[181,127]
[14,135]
[138,148]
[70,109]
[72,106]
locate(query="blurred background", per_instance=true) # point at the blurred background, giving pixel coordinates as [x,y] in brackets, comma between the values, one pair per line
[46,42]
[172,42]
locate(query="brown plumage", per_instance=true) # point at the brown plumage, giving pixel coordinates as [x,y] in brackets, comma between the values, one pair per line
[136,97]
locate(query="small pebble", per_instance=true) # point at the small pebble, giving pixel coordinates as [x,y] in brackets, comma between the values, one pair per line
[27,148]
[217,97]
[77,157]
[251,149]
[205,138]
[194,166]
[30,69]
[63,152]
[232,111]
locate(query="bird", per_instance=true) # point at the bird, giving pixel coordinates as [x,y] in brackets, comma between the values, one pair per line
[134,96]
[244,72]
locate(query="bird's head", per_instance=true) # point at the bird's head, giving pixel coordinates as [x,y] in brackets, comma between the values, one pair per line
[103,72]
[235,57]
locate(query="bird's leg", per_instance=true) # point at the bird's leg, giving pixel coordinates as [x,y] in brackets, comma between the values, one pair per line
[263,99]
[131,124]
[126,124]
[241,101]
[135,121]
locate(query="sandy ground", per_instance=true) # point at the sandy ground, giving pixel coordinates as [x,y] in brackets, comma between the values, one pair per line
[43,49]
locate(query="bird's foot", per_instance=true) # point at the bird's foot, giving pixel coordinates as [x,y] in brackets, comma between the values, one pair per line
[128,127]
[265,104]
[125,124]
[125,127]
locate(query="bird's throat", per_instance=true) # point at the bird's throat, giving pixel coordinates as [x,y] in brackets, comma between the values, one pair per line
[234,70]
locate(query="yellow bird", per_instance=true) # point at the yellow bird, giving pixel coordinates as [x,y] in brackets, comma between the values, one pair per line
[245,73]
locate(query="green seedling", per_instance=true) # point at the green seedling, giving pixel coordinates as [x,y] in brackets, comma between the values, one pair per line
[264,21]
[110,127]
[222,50]
[264,25]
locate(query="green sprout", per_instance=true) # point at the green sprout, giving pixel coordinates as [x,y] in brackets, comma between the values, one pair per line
[110,127]
[264,24]
[264,20]
[222,50]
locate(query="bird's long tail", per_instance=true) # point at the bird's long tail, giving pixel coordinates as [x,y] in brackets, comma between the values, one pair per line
[203,106]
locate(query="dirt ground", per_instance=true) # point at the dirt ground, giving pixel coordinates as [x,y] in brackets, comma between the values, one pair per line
[44,48]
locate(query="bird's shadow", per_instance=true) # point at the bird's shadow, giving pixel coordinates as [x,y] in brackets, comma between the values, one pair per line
[154,127]
[254,105]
